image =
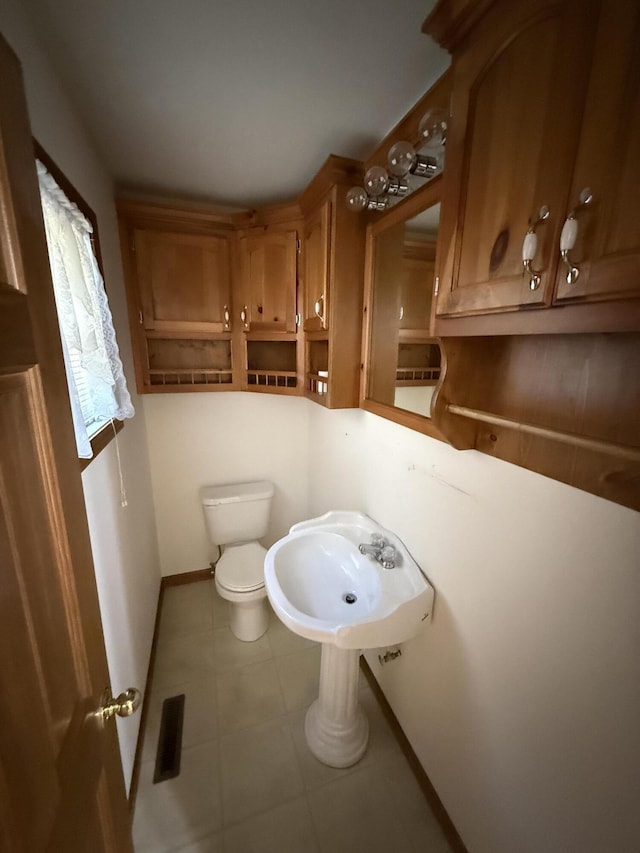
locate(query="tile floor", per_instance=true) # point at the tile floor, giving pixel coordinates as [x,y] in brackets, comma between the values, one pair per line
[248,783]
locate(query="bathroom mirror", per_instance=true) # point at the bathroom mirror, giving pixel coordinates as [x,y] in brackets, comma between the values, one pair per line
[402,360]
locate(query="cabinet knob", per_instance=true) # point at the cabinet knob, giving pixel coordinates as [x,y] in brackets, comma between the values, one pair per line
[530,247]
[318,308]
[227,317]
[569,235]
[244,316]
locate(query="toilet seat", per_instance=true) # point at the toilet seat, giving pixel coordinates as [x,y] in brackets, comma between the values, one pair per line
[241,568]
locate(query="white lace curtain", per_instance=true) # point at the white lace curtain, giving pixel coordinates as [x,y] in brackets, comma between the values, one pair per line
[89,343]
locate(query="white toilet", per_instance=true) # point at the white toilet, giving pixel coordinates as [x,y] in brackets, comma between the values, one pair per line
[237,515]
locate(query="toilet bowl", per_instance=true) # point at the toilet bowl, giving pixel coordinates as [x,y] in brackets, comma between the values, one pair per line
[239,579]
[237,515]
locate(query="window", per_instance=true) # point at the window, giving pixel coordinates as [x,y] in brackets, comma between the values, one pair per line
[97,386]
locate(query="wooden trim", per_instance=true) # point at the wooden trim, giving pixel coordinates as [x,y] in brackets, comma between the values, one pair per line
[168,580]
[137,760]
[108,432]
[335,170]
[186,577]
[430,794]
[199,218]
[101,439]
[599,446]
[437,95]
[613,316]
[452,20]
[73,195]
[425,197]
[404,417]
[270,216]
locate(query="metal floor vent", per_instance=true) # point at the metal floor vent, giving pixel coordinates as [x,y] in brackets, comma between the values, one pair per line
[169,739]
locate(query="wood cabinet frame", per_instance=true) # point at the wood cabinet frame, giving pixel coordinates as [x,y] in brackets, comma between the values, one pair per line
[421,199]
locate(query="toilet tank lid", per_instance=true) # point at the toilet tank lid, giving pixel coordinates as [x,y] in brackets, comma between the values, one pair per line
[235,492]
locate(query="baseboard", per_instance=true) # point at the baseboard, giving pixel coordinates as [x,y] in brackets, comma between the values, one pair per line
[186,577]
[168,580]
[135,774]
[434,801]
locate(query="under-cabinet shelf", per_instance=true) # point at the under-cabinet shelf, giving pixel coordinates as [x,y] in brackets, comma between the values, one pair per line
[272,366]
[187,363]
[186,376]
[417,375]
[271,379]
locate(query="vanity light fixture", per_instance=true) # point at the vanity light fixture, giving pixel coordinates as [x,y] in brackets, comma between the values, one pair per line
[403,160]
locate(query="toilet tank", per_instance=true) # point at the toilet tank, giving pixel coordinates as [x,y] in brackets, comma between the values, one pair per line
[237,512]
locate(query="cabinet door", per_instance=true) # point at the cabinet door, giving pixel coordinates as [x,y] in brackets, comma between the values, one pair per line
[416,287]
[268,268]
[317,247]
[517,100]
[184,281]
[607,249]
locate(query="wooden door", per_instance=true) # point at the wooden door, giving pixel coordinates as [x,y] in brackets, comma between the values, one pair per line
[516,106]
[268,271]
[61,786]
[184,281]
[607,250]
[317,248]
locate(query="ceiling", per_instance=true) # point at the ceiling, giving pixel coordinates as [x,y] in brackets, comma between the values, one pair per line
[238,102]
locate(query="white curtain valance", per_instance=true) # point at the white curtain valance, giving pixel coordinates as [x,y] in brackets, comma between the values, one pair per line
[97,386]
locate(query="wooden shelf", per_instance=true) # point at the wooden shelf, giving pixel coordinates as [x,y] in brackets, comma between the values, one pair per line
[621,450]
[271,379]
[565,406]
[317,386]
[417,375]
[186,376]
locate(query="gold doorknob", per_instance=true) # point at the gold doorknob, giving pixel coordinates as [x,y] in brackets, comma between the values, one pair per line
[123,705]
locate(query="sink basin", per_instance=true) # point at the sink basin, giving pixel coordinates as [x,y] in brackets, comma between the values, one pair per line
[323,588]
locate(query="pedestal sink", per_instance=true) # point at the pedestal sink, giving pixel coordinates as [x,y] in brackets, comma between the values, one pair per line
[322,587]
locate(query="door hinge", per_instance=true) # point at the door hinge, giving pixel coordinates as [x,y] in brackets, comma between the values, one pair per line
[297,319]
[298,245]
[437,285]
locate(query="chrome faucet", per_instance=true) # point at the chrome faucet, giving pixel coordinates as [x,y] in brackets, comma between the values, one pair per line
[381,550]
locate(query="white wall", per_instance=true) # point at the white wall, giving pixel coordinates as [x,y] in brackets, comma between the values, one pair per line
[123,539]
[200,439]
[522,698]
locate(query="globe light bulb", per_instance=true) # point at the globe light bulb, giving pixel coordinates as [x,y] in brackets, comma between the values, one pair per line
[376,181]
[433,128]
[401,158]
[357,199]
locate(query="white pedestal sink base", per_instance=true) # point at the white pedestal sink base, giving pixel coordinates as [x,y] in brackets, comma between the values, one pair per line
[336,728]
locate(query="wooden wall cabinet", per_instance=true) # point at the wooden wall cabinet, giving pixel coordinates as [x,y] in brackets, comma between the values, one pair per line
[213,297]
[540,371]
[533,127]
[179,278]
[333,280]
[269,279]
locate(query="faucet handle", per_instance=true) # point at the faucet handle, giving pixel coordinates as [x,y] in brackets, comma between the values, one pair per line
[378,540]
[388,557]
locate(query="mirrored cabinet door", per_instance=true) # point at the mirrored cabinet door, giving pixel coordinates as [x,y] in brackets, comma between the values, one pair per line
[402,359]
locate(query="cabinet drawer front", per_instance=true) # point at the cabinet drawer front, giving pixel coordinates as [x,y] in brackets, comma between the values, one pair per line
[516,108]
[184,280]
